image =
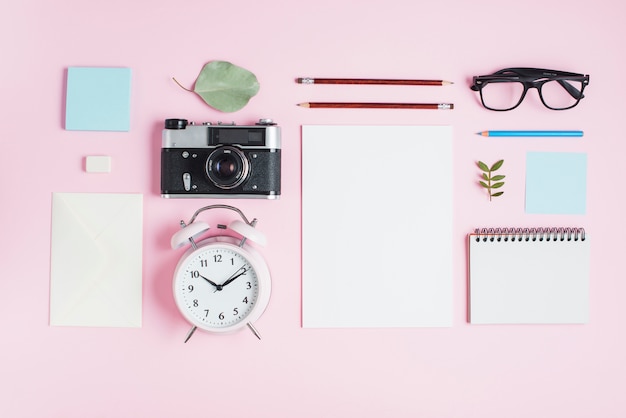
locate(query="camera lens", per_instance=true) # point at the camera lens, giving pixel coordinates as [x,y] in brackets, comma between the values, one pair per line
[227,167]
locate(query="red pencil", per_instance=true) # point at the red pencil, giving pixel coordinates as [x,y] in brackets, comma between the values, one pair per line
[339,105]
[383,81]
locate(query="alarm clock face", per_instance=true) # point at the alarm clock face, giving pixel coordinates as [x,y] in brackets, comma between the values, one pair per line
[216,287]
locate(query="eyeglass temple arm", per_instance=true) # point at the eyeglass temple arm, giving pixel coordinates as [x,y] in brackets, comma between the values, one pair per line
[536,72]
[573,91]
[531,72]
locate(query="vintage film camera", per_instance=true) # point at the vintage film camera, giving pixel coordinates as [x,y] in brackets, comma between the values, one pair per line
[220,161]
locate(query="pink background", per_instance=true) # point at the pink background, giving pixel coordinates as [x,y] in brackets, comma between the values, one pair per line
[462,371]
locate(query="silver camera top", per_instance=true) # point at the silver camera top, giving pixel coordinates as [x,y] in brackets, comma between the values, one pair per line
[180,133]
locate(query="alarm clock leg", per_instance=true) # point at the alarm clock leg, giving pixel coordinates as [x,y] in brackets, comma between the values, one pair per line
[190,333]
[254,331]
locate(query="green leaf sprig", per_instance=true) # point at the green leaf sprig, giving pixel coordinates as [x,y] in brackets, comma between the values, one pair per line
[224,86]
[491,182]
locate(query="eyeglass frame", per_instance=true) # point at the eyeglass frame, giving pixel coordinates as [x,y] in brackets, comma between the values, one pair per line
[532,78]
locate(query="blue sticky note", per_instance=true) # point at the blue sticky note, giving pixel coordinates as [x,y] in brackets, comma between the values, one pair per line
[98,99]
[556,183]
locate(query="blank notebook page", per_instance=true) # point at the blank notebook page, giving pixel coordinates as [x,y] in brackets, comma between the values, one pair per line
[376,226]
[528,281]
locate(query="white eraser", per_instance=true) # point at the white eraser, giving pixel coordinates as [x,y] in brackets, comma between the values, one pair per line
[98,164]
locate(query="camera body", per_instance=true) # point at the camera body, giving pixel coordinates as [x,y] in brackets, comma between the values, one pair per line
[220,161]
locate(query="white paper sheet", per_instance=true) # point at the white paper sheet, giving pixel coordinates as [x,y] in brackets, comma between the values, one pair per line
[96,260]
[376,226]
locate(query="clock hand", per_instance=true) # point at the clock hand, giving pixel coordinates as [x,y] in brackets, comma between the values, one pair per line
[236,274]
[217,286]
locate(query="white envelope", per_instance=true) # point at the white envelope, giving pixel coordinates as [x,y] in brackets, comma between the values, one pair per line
[96,260]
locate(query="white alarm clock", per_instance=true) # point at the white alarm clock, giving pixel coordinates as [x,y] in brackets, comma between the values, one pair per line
[221,284]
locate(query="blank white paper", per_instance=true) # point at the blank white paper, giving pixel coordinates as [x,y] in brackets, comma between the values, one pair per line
[376,226]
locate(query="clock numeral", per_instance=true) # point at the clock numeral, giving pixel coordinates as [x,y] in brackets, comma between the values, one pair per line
[195,303]
[221,315]
[245,300]
[204,263]
[248,285]
[235,312]
[217,258]
[232,261]
[206,313]
[194,274]
[190,287]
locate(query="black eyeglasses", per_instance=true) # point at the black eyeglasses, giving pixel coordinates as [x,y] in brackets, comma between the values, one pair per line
[506,89]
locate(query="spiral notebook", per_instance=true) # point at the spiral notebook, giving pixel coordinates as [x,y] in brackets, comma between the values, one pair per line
[529,276]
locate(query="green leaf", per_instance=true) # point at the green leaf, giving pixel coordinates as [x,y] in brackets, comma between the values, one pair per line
[497,165]
[489,178]
[225,86]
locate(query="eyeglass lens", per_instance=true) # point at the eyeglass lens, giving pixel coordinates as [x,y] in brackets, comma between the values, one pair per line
[558,94]
[555,94]
[502,96]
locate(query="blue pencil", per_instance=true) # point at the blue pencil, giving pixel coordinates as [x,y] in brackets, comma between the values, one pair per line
[531,133]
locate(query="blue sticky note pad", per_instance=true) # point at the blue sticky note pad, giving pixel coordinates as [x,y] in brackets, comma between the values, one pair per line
[556,183]
[98,99]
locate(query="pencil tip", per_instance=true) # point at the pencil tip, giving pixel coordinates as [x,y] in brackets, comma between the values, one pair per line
[303,104]
[299,80]
[483,133]
[445,83]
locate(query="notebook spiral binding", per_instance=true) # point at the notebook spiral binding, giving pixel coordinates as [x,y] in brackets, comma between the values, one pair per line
[529,234]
